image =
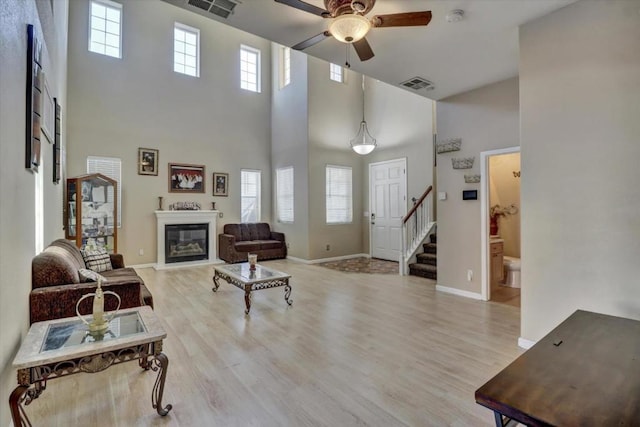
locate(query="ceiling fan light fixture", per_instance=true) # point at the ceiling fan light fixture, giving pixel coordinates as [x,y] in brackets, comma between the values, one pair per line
[349,28]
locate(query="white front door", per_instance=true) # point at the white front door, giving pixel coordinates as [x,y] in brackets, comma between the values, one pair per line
[388,203]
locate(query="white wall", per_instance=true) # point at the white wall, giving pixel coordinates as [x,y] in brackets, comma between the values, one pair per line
[17,185]
[119,105]
[289,146]
[579,91]
[486,119]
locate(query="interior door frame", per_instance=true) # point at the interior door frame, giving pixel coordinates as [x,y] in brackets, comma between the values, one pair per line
[484,217]
[406,190]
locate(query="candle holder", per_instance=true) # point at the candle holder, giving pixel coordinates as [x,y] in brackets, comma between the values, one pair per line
[253,258]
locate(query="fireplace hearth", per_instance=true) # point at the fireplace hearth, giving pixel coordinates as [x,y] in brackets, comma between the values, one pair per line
[186,242]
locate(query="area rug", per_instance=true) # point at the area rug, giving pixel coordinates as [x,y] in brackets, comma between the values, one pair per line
[363,265]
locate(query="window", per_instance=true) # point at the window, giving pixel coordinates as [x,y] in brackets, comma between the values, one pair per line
[339,210]
[108,166]
[336,73]
[284,194]
[285,66]
[249,68]
[250,195]
[186,50]
[106,28]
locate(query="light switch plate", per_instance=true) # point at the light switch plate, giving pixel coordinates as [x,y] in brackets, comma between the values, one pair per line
[442,195]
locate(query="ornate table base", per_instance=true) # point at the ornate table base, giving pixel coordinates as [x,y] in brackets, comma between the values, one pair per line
[33,381]
[249,287]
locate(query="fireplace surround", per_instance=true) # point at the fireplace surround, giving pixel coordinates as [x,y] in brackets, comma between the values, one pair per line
[203,218]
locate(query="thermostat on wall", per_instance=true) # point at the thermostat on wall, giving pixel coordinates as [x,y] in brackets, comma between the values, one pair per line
[469,194]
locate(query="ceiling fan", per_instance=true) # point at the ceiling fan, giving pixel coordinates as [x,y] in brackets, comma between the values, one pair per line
[349,25]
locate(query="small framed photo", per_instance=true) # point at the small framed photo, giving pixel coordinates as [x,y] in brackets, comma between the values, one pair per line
[220,184]
[148,161]
[186,178]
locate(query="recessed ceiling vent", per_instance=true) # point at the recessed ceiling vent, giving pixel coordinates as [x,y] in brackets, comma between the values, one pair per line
[417,83]
[222,8]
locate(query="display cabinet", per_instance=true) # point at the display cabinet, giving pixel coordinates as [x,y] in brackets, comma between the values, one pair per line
[91,211]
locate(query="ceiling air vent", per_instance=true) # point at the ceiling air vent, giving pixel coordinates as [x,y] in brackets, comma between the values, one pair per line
[417,83]
[222,8]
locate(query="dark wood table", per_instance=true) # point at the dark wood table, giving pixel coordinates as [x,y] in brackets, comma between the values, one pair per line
[586,372]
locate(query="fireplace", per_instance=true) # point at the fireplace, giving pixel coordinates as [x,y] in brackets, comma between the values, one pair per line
[186,242]
[193,256]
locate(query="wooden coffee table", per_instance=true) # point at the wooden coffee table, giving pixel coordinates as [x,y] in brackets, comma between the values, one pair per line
[241,276]
[586,372]
[57,348]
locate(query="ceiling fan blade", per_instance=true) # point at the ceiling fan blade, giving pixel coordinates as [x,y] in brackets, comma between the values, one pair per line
[363,49]
[408,19]
[313,40]
[298,4]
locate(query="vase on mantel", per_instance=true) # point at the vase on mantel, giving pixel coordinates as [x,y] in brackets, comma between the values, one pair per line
[160,200]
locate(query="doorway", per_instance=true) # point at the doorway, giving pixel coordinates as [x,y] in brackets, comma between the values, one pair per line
[500,225]
[387,207]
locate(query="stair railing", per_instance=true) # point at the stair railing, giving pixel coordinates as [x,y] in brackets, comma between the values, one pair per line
[415,226]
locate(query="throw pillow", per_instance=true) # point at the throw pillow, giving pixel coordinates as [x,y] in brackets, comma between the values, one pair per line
[97,260]
[87,275]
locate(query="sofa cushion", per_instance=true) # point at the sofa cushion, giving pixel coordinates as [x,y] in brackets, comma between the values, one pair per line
[87,275]
[247,246]
[269,244]
[69,250]
[53,268]
[97,260]
[121,273]
[263,231]
[234,230]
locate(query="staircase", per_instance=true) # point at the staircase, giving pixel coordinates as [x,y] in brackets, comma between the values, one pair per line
[426,265]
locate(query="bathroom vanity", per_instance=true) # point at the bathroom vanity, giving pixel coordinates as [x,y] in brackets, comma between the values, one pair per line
[496,250]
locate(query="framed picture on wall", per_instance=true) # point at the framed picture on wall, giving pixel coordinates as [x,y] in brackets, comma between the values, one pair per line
[186,178]
[148,161]
[35,86]
[220,184]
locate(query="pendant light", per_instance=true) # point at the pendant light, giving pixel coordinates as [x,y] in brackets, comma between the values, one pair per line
[363,143]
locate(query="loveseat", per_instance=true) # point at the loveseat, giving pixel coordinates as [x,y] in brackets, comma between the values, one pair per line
[56,283]
[239,240]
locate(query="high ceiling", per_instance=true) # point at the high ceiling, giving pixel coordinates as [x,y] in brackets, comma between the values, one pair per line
[480,49]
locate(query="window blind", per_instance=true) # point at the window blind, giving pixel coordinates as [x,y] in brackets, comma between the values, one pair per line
[249,195]
[284,194]
[339,195]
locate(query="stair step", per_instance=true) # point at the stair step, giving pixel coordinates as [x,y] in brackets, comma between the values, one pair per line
[433,238]
[423,270]
[430,248]
[426,258]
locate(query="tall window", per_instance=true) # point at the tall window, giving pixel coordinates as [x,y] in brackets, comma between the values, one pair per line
[285,66]
[186,50]
[106,28]
[339,195]
[111,167]
[249,68]
[336,73]
[284,194]
[250,195]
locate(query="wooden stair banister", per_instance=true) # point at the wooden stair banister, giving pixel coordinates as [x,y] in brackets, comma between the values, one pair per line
[417,204]
[415,227]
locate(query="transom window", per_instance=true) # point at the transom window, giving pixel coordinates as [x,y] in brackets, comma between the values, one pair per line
[284,194]
[250,195]
[339,195]
[106,28]
[249,68]
[186,50]
[336,73]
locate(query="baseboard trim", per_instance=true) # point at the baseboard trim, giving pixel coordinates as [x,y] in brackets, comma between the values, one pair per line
[187,264]
[321,260]
[150,265]
[459,292]
[525,343]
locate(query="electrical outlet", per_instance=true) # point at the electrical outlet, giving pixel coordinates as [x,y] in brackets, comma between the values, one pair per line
[140,251]
[220,215]
[328,247]
[469,275]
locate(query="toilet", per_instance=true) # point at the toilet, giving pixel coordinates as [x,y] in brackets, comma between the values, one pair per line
[512,270]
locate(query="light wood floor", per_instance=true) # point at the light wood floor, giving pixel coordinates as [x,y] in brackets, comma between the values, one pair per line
[354,349]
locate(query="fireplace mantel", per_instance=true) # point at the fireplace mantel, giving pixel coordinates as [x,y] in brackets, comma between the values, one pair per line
[187,217]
